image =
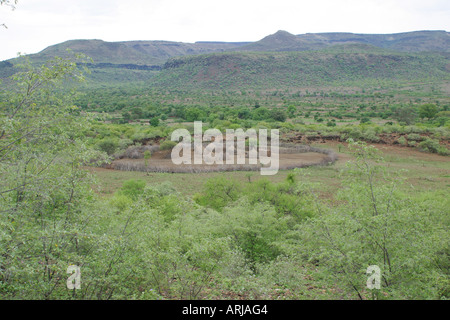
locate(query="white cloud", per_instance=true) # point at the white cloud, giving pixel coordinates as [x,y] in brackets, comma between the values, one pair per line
[36,24]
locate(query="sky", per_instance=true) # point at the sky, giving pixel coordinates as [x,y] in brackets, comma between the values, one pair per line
[37,24]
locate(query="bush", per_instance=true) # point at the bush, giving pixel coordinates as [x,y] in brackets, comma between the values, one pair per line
[108,145]
[218,193]
[278,115]
[167,145]
[255,229]
[443,151]
[154,122]
[132,188]
[124,143]
[121,202]
[402,141]
[370,135]
[415,137]
[378,227]
[429,145]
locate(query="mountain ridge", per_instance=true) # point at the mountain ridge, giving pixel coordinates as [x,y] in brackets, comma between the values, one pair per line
[333,56]
[157,52]
[286,70]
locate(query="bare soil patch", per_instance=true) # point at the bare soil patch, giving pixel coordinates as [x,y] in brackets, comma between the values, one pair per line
[290,157]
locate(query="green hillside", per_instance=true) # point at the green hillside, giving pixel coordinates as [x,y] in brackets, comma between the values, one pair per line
[280,60]
[148,53]
[347,65]
[416,41]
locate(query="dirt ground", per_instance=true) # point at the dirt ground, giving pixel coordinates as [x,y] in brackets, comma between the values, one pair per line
[161,162]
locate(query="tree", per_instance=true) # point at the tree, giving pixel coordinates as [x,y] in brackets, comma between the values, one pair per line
[243,113]
[194,114]
[405,114]
[428,110]
[108,145]
[43,189]
[154,122]
[10,3]
[136,113]
[376,226]
[261,113]
[126,117]
[291,111]
[278,115]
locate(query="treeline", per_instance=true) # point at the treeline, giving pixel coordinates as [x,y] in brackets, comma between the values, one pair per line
[132,103]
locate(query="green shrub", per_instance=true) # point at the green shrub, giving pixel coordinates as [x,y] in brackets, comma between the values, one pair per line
[370,135]
[167,145]
[430,145]
[443,151]
[218,193]
[402,141]
[124,143]
[121,202]
[154,122]
[255,229]
[108,145]
[376,226]
[415,137]
[132,188]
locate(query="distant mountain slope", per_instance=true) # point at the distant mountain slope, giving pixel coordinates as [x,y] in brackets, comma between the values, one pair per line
[158,52]
[282,41]
[132,52]
[265,70]
[100,51]
[416,41]
[127,61]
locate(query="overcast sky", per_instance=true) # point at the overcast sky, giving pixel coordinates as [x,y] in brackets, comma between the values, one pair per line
[36,24]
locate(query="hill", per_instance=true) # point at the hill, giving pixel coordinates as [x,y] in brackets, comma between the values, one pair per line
[416,41]
[141,61]
[282,41]
[347,64]
[118,62]
[139,53]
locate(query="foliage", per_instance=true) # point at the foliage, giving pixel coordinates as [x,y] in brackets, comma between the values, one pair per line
[167,145]
[431,145]
[375,227]
[132,188]
[428,110]
[250,238]
[108,145]
[44,190]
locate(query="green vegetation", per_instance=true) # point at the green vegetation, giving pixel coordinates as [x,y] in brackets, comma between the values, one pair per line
[278,239]
[306,233]
[287,70]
